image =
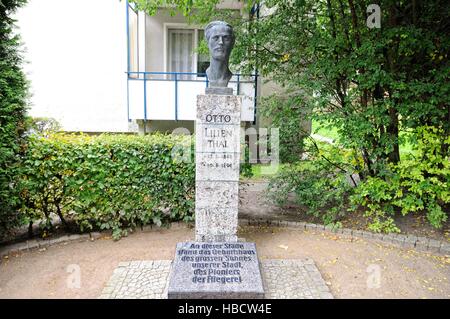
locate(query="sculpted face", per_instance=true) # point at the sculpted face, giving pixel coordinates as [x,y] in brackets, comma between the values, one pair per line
[220,42]
[220,38]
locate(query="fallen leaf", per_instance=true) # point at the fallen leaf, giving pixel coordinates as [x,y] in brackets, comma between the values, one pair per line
[283,246]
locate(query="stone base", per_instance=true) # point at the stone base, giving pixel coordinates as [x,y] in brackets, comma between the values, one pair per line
[215,270]
[215,238]
[219,90]
[282,279]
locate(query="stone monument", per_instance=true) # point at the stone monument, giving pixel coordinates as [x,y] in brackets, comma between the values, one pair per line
[217,265]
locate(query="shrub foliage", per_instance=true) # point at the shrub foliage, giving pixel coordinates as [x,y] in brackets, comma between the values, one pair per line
[13,93]
[318,183]
[112,182]
[420,182]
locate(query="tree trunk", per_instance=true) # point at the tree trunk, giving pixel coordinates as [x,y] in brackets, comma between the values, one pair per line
[30,230]
[61,217]
[392,131]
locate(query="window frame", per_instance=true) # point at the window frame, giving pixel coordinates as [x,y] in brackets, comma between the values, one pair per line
[167,27]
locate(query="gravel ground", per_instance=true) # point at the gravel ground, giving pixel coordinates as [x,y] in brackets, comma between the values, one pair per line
[352,269]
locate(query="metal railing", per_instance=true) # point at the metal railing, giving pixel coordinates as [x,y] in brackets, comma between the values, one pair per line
[177,77]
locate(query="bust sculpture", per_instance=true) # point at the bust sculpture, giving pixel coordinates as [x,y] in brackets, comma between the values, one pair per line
[220,38]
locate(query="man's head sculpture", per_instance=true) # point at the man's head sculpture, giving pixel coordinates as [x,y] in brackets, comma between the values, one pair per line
[220,38]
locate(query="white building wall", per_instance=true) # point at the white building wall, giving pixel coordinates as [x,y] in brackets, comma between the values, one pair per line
[77,59]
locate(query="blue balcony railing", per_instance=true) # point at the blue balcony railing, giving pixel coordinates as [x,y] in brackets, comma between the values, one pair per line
[151,92]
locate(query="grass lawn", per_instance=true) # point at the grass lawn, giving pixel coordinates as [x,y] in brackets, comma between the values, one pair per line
[331,132]
[262,171]
[324,130]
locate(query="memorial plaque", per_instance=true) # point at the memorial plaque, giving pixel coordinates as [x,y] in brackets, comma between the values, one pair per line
[217,166]
[215,270]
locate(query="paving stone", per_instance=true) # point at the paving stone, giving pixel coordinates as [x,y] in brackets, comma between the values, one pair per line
[410,241]
[31,244]
[56,240]
[301,225]
[445,248]
[286,280]
[367,234]
[422,243]
[378,237]
[95,235]
[147,228]
[358,233]
[75,237]
[15,248]
[347,232]
[388,238]
[283,223]
[310,226]
[434,245]
[399,239]
[283,279]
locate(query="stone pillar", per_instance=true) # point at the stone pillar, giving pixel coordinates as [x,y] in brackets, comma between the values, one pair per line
[218,128]
[216,265]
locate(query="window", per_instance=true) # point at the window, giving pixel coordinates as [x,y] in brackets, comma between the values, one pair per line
[182,52]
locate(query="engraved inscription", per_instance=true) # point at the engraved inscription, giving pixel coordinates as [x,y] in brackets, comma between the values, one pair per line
[220,263]
[217,166]
[217,138]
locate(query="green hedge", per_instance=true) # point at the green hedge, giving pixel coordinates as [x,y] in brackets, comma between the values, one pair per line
[112,182]
[13,97]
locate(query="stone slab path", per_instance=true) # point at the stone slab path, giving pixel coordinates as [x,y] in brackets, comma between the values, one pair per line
[282,279]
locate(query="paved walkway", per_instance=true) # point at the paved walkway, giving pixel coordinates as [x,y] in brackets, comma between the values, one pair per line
[282,279]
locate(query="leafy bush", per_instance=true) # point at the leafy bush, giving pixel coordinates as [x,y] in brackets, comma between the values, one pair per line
[113,182]
[288,116]
[110,181]
[13,94]
[420,182]
[245,168]
[316,183]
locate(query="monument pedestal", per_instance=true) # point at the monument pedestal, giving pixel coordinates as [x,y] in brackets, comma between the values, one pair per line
[211,270]
[218,142]
[216,265]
